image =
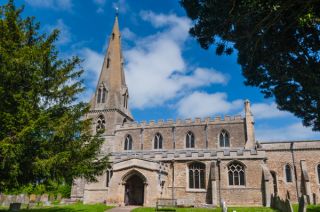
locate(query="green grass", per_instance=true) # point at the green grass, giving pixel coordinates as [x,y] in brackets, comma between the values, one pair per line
[237,209]
[70,208]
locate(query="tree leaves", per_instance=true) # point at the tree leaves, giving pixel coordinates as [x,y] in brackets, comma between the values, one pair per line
[278,45]
[43,136]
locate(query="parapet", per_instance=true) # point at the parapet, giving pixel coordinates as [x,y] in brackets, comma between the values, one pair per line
[180,123]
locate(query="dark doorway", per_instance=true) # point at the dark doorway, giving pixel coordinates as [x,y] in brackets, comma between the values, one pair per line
[134,191]
[274,181]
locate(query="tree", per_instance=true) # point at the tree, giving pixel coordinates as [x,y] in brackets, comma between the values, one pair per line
[278,45]
[43,135]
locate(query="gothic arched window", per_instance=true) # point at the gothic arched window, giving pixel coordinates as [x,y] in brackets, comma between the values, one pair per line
[190,140]
[288,172]
[318,170]
[236,174]
[109,174]
[108,62]
[99,96]
[104,95]
[128,143]
[224,139]
[197,175]
[125,99]
[100,127]
[157,141]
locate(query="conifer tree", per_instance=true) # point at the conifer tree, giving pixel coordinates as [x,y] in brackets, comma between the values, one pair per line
[43,134]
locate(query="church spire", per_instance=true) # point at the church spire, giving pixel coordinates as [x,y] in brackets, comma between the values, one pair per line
[112,92]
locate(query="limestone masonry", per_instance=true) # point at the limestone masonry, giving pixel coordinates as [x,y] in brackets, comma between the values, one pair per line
[197,162]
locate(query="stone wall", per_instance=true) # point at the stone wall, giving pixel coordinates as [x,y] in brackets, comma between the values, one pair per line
[282,153]
[206,133]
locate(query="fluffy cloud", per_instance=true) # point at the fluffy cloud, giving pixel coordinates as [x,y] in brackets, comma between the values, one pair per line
[64,36]
[52,4]
[157,61]
[127,34]
[92,65]
[267,111]
[201,104]
[294,131]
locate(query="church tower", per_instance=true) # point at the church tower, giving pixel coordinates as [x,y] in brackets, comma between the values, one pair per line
[109,105]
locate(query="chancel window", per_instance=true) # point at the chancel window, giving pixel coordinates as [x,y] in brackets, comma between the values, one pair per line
[100,127]
[109,174]
[157,141]
[128,143]
[288,172]
[190,140]
[318,170]
[224,139]
[197,176]
[236,174]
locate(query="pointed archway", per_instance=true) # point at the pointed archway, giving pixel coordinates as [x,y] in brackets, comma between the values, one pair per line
[134,192]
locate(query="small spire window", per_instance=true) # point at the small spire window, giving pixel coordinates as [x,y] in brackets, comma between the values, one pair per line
[108,62]
[102,94]
[99,96]
[125,100]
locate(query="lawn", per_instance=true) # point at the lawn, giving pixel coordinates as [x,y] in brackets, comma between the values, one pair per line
[311,208]
[237,209]
[69,208]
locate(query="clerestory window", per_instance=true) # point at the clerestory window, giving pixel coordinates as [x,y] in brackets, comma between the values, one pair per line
[190,140]
[157,141]
[224,139]
[128,143]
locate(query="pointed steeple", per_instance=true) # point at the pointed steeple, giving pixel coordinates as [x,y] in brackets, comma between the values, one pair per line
[112,91]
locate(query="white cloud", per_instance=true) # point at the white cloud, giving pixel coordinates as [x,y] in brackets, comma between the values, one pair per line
[51,4]
[92,65]
[267,111]
[291,132]
[100,4]
[64,36]
[201,104]
[121,6]
[126,33]
[157,61]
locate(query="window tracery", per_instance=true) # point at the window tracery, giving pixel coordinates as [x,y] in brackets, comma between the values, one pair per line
[197,176]
[236,174]
[190,140]
[224,139]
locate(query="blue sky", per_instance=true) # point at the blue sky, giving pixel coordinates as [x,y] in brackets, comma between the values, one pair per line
[169,76]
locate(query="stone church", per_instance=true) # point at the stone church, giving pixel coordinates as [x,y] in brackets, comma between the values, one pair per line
[194,161]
